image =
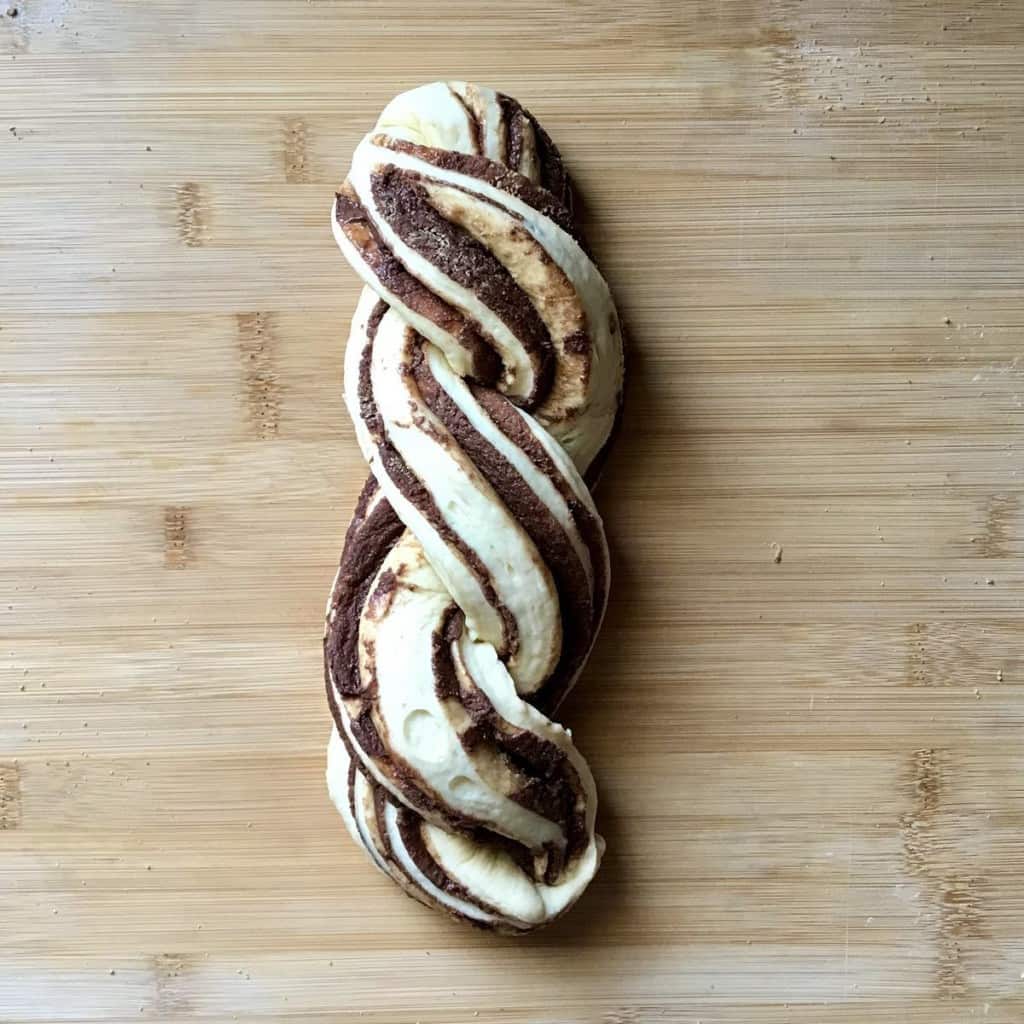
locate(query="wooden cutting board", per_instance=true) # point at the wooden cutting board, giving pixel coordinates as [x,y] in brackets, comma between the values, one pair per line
[806,710]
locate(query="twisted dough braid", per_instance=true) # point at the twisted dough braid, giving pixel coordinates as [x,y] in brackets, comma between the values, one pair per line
[483,375]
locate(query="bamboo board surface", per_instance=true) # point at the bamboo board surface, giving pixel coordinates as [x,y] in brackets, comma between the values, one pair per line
[810,769]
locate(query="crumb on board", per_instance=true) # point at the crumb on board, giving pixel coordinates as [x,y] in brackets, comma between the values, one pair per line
[776,552]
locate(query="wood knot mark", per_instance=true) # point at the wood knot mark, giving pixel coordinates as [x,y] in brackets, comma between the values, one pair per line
[938,654]
[623,1015]
[926,773]
[954,909]
[917,824]
[256,343]
[787,71]
[191,218]
[960,918]
[10,797]
[998,535]
[296,169]
[168,970]
[177,553]
[918,662]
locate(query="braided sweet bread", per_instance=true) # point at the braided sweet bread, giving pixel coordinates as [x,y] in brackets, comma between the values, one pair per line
[483,374]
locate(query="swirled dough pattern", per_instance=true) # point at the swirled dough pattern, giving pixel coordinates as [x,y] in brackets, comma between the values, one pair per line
[483,375]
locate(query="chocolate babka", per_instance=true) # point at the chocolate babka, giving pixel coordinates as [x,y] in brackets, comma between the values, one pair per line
[483,375]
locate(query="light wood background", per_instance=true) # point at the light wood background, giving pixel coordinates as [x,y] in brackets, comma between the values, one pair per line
[811,769]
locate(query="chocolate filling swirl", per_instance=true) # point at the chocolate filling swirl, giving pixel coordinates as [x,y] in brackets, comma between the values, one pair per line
[483,378]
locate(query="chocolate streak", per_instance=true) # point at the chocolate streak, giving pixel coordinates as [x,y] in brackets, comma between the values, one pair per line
[374,531]
[508,421]
[418,495]
[550,785]
[367,543]
[475,128]
[507,180]
[512,118]
[360,706]
[360,231]
[579,620]
[578,342]
[405,206]
[553,175]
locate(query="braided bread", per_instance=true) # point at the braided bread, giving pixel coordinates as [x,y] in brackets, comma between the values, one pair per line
[483,375]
